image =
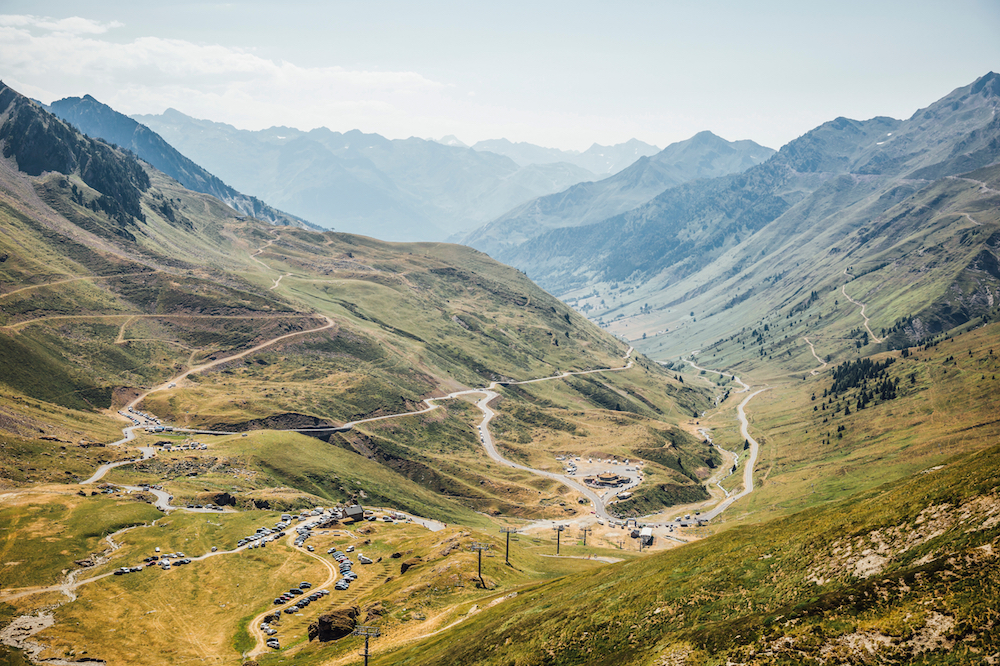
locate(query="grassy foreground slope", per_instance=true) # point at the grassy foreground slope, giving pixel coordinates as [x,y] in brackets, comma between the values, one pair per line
[838,564]
[903,573]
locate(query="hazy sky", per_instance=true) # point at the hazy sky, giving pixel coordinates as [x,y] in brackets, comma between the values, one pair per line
[562,74]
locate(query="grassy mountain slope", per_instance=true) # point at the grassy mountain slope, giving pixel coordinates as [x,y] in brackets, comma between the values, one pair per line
[921,266]
[871,535]
[97,305]
[905,572]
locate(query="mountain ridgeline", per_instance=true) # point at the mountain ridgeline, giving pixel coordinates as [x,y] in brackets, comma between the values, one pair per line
[841,198]
[602,161]
[406,189]
[101,121]
[40,143]
[811,459]
[704,155]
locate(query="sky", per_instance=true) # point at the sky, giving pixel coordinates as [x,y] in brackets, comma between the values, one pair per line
[553,73]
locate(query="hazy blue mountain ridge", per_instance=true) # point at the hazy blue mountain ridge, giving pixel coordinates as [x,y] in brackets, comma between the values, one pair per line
[704,155]
[874,161]
[406,189]
[601,160]
[101,121]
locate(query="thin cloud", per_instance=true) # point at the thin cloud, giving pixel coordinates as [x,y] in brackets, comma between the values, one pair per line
[74,25]
[148,74]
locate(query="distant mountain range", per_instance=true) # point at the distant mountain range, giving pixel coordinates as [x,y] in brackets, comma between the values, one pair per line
[101,121]
[600,160]
[704,155]
[408,189]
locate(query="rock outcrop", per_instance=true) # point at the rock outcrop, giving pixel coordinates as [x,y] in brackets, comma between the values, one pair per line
[334,625]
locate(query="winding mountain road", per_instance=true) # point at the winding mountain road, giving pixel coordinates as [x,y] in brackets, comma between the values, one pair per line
[489,394]
[818,370]
[226,359]
[982,186]
[748,469]
[256,632]
[843,289]
[163,499]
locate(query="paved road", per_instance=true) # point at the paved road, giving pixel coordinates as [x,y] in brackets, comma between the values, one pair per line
[722,474]
[147,452]
[748,469]
[487,439]
[163,500]
[491,451]
[746,387]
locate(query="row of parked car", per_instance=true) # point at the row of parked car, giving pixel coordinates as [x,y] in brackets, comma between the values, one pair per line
[299,591]
[261,537]
[346,575]
[163,561]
